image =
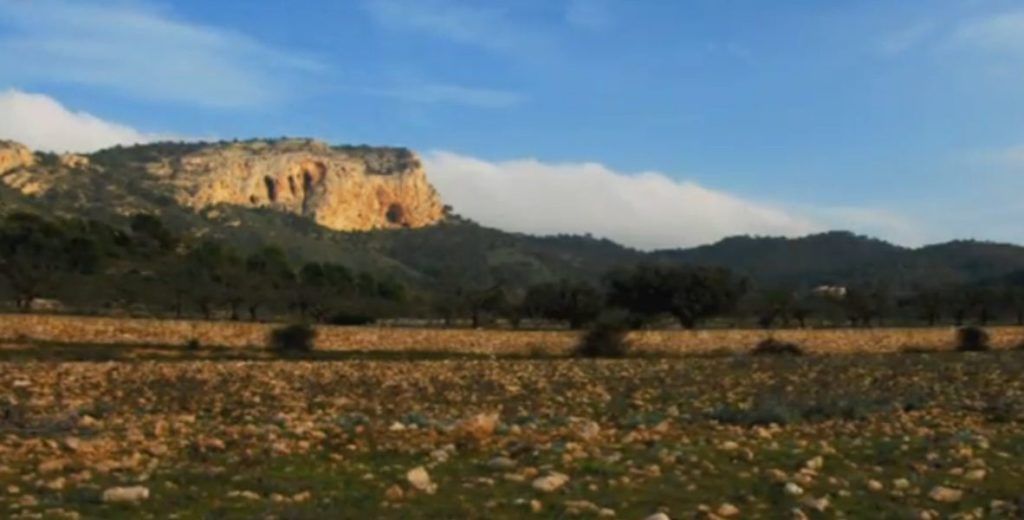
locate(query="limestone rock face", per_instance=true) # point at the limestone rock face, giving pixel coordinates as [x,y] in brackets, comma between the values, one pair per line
[14,156]
[16,162]
[345,188]
[342,188]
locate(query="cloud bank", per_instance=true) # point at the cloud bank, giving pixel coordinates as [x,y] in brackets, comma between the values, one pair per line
[646,210]
[41,123]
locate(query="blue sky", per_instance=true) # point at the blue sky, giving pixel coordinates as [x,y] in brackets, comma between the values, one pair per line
[899,119]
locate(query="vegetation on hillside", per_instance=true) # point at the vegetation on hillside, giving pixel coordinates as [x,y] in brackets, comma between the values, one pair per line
[115,241]
[144,268]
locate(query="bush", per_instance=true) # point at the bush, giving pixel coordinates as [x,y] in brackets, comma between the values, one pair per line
[292,339]
[193,345]
[347,318]
[774,347]
[606,338]
[972,339]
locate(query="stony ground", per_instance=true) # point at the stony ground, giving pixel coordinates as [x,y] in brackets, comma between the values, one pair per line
[866,436]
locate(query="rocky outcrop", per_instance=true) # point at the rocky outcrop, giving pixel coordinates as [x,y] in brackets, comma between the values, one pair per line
[342,188]
[14,156]
[16,162]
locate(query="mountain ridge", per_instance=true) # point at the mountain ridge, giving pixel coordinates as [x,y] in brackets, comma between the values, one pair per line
[448,252]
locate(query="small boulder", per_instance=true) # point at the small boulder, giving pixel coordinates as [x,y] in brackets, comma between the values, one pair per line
[130,494]
[551,482]
[420,480]
[792,489]
[945,494]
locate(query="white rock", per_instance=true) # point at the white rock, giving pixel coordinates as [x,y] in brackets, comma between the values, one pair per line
[658,516]
[126,494]
[440,455]
[550,483]
[975,474]
[816,463]
[727,510]
[420,479]
[501,464]
[817,504]
[945,494]
[792,489]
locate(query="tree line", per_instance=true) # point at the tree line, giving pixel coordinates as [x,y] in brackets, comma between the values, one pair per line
[91,266]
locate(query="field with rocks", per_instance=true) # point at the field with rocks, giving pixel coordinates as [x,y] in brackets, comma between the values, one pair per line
[20,330]
[892,435]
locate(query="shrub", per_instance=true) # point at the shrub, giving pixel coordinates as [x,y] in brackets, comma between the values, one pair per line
[347,318]
[774,347]
[606,338]
[297,338]
[972,339]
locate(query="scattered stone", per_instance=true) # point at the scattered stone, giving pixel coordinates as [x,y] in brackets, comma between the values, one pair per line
[792,489]
[945,494]
[875,485]
[246,494]
[131,494]
[588,430]
[440,455]
[658,516]
[575,507]
[501,464]
[976,475]
[727,510]
[52,466]
[394,493]
[551,482]
[816,463]
[420,480]
[817,504]
[480,426]
[88,421]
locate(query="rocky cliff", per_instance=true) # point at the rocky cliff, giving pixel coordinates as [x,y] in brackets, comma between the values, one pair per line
[342,188]
[14,156]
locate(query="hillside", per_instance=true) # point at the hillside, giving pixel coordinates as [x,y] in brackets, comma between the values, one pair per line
[843,258]
[425,248]
[373,209]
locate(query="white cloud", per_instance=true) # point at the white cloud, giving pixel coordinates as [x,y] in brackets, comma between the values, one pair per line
[479,24]
[42,123]
[142,52]
[873,222]
[1010,158]
[1002,32]
[646,210]
[440,93]
[907,38]
[588,14]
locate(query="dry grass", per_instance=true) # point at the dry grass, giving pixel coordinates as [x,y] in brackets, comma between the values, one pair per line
[87,330]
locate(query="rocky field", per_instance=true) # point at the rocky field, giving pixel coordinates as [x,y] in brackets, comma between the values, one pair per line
[32,329]
[934,435]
